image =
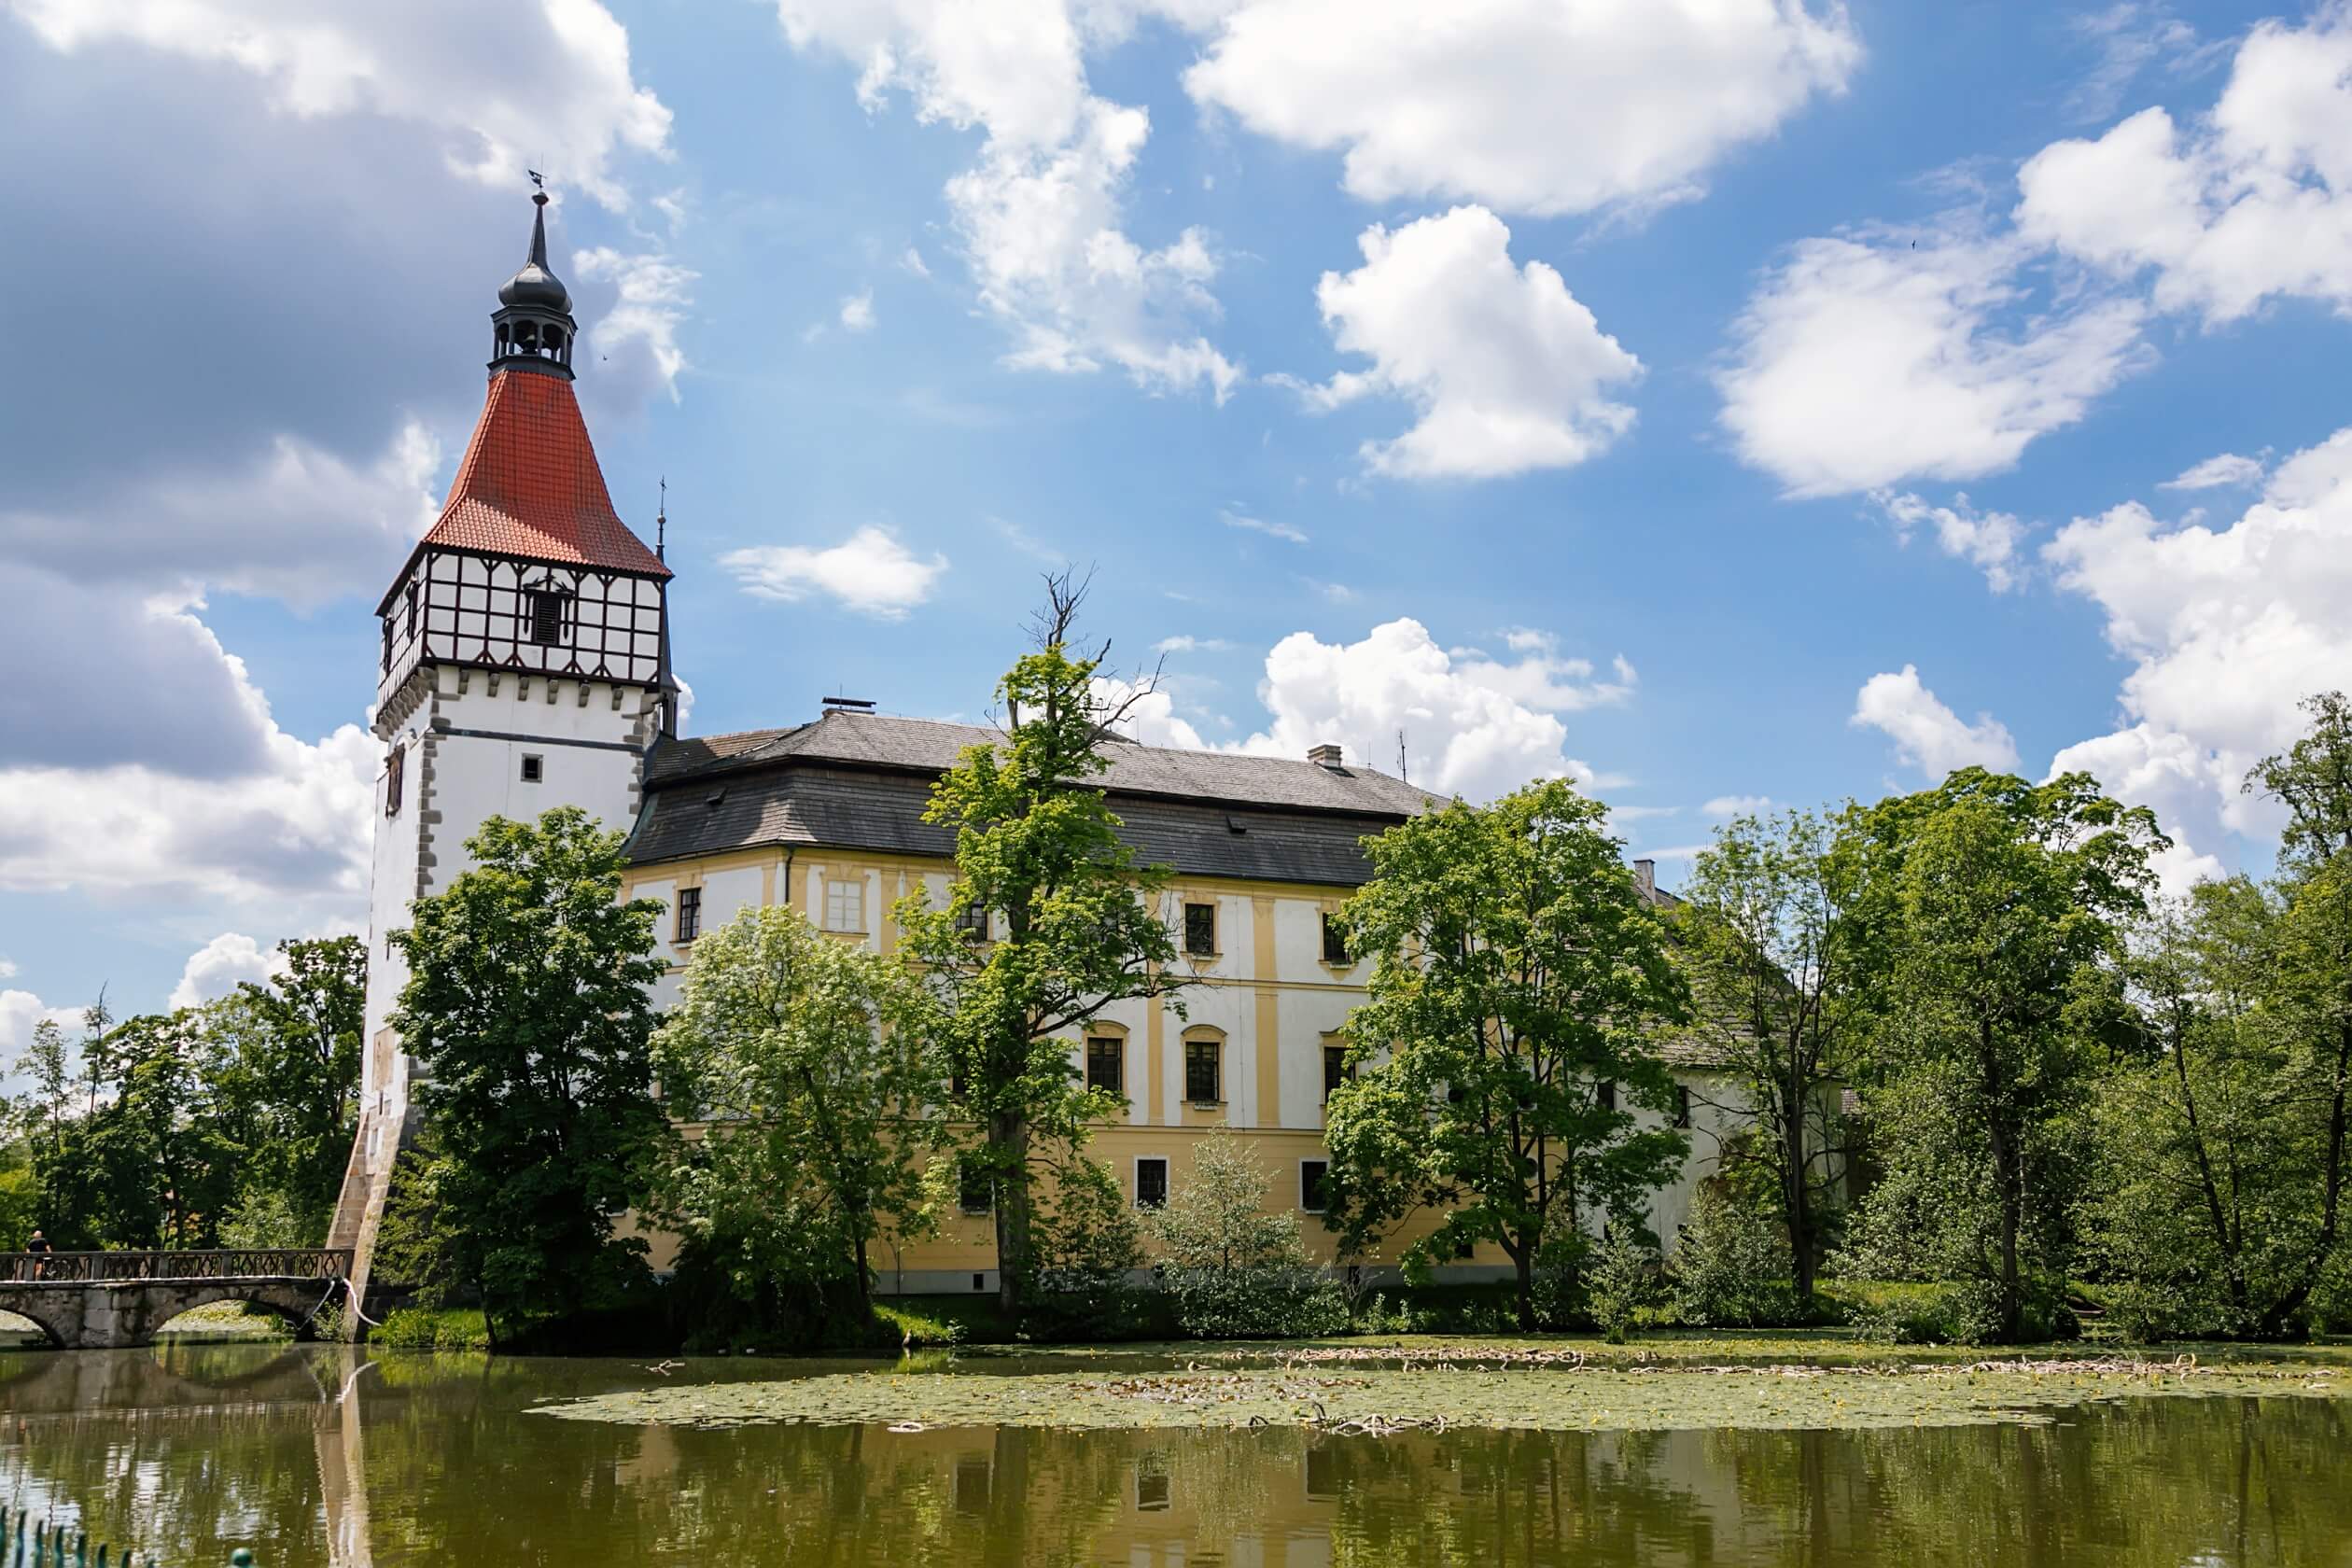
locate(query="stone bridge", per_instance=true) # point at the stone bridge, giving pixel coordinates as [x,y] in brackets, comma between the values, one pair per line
[100,1301]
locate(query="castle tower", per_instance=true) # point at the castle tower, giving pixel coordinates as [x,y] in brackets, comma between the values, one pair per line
[525,665]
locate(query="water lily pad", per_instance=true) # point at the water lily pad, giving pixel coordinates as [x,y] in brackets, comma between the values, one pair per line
[1359,1399]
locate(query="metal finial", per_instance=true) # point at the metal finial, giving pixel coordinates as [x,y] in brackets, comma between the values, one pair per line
[661,523]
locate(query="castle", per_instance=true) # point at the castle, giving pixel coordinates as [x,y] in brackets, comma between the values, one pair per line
[526,665]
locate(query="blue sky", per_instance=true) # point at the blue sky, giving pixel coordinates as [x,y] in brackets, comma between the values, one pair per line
[1715,400]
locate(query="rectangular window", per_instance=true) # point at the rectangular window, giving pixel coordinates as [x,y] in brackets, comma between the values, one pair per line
[975,1192]
[844,906]
[689,913]
[1151,1183]
[547,619]
[1608,1094]
[973,920]
[1336,1070]
[1106,1063]
[534,769]
[1682,1105]
[1200,929]
[1202,1059]
[1334,941]
[387,645]
[1151,1489]
[1311,1174]
[411,610]
[394,767]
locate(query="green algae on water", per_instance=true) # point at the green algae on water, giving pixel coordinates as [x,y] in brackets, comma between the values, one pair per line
[1366,1398]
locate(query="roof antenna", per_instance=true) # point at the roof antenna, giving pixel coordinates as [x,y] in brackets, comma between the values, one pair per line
[1402,775]
[661,523]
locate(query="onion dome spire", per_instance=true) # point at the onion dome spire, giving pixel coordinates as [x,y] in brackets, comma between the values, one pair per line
[532,328]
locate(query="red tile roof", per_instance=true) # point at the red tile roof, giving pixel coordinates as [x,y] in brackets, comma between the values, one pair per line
[530,486]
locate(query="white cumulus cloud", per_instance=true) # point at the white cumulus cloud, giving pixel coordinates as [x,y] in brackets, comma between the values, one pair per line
[214,970]
[1542,106]
[1927,734]
[1471,725]
[857,311]
[1040,210]
[1985,540]
[2223,470]
[870,572]
[1508,371]
[504,84]
[1864,360]
[2249,201]
[2226,629]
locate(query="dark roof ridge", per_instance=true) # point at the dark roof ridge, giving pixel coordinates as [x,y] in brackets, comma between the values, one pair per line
[892,743]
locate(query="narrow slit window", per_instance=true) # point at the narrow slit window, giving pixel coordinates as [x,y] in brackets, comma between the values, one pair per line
[394,767]
[547,618]
[689,913]
[1682,1105]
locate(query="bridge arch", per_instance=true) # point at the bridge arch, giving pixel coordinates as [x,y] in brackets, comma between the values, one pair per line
[115,1300]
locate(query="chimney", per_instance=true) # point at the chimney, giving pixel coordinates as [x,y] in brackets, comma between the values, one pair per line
[1327,755]
[1645,878]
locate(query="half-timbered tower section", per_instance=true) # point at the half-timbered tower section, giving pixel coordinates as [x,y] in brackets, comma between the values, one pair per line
[523,664]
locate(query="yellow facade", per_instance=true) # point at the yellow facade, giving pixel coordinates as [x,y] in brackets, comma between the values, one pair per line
[1265,1001]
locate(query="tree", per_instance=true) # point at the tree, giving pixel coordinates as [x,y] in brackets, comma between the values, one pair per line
[2210,1208]
[1995,902]
[1235,1268]
[1037,854]
[2312,780]
[295,1075]
[528,1011]
[1517,978]
[801,1054]
[1766,942]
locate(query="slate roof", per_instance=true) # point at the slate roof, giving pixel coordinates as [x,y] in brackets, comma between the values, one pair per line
[861,782]
[530,486]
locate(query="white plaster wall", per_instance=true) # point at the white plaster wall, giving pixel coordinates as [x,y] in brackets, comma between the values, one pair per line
[1304,1017]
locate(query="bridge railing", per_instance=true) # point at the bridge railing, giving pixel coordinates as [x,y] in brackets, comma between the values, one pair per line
[223,1262]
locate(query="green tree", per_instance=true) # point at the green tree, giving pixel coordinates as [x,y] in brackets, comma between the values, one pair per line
[528,1011]
[2210,1206]
[1038,853]
[1997,903]
[291,1085]
[1238,1269]
[801,1054]
[1766,942]
[2313,964]
[1518,980]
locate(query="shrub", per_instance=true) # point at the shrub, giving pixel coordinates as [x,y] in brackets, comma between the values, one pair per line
[1622,1280]
[432,1328]
[1235,1270]
[1089,1249]
[1732,1269]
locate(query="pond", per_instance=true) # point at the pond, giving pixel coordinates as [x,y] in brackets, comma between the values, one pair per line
[326,1455]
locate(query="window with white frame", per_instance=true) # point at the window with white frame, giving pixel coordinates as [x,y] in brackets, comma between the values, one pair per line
[844,905]
[1150,1182]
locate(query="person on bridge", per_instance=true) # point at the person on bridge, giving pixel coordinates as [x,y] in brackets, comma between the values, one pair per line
[39,1247]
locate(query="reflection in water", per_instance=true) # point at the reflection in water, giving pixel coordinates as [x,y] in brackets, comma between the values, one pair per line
[315,1455]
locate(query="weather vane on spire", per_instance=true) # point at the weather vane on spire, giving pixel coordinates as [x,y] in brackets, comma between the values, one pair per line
[538,179]
[661,523]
